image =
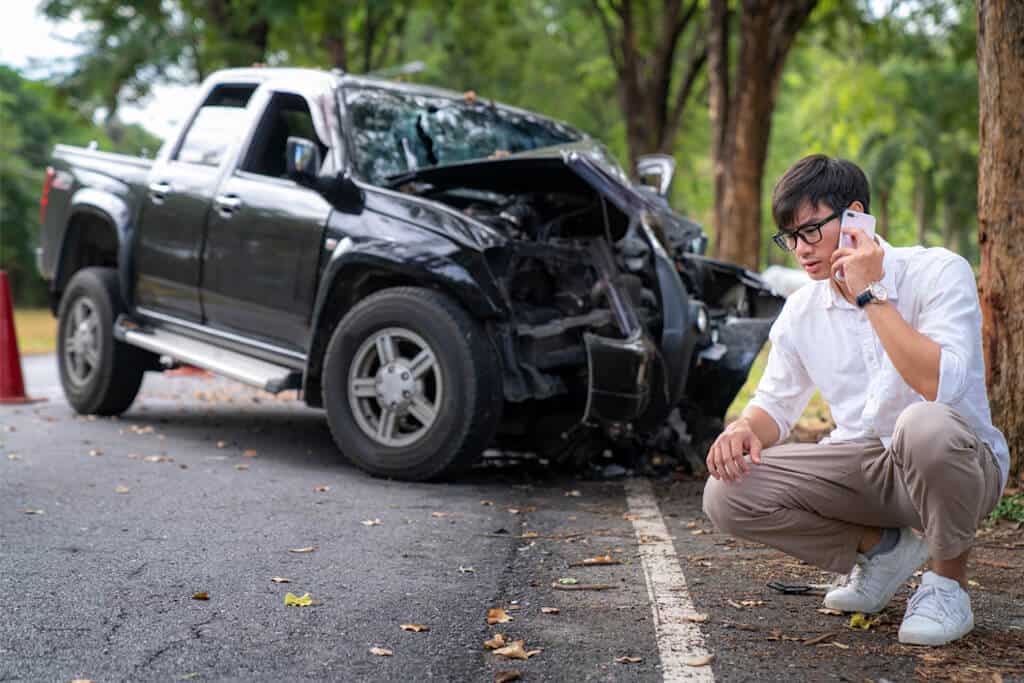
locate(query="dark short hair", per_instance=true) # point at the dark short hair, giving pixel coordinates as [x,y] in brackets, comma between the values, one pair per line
[818,179]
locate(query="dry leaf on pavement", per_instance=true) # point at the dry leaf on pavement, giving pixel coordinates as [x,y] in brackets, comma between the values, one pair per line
[440,514]
[201,596]
[496,615]
[321,489]
[121,489]
[696,618]
[381,651]
[370,522]
[629,660]
[297,601]
[280,579]
[822,638]
[498,641]
[241,467]
[832,612]
[591,561]
[516,651]
[702,660]
[249,453]
[549,610]
[507,676]
[415,628]
[307,549]
[95,452]
[862,621]
[31,511]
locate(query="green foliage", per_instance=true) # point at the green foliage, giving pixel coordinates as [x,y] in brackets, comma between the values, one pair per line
[1010,507]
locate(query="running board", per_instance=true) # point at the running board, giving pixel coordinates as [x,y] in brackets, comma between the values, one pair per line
[237,366]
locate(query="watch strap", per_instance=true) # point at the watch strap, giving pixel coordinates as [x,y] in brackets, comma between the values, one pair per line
[865,297]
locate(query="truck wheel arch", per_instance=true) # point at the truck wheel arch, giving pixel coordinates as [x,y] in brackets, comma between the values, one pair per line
[91,239]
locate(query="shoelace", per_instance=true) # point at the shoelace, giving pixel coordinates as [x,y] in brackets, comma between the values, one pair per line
[934,608]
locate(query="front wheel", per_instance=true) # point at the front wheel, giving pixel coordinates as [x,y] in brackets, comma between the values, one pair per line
[412,385]
[100,374]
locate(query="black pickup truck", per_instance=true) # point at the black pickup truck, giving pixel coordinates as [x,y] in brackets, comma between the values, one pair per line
[441,273]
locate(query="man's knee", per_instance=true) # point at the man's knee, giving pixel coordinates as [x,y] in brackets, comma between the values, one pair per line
[719,506]
[926,432]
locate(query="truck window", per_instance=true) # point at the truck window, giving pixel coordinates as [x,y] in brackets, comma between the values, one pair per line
[287,115]
[218,123]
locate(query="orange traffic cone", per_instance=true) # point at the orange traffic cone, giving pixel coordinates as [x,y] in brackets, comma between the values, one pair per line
[12,386]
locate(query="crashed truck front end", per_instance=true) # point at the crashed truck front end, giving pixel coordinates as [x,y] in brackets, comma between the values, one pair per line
[621,334]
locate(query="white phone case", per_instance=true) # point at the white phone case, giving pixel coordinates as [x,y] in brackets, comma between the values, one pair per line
[854,219]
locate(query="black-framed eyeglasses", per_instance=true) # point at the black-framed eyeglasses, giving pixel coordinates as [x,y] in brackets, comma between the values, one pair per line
[809,233]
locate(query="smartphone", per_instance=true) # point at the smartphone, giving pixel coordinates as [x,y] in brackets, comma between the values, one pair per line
[854,219]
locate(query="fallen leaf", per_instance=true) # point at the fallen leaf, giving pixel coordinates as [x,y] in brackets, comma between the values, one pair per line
[521,511]
[584,587]
[241,467]
[862,621]
[498,641]
[95,452]
[568,581]
[439,514]
[497,615]
[487,502]
[506,676]
[575,493]
[307,549]
[629,660]
[13,456]
[696,618]
[222,444]
[381,651]
[832,612]
[249,453]
[415,628]
[296,601]
[591,561]
[121,489]
[467,570]
[370,522]
[31,511]
[280,579]
[650,538]
[201,596]
[516,651]
[691,525]
[321,489]
[697,532]
[702,660]
[550,610]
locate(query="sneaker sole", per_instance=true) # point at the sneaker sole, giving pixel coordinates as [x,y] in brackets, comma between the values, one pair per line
[837,603]
[936,640]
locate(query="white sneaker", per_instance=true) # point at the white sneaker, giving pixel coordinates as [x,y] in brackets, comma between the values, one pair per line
[938,613]
[871,584]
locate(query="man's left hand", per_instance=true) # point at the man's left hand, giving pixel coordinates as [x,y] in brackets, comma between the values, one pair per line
[861,264]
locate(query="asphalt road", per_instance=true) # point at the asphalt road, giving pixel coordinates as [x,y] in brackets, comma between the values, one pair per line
[109,527]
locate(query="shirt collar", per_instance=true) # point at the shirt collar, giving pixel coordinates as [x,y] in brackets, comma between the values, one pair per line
[889,266]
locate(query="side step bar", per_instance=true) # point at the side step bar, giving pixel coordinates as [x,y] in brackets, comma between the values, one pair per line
[237,366]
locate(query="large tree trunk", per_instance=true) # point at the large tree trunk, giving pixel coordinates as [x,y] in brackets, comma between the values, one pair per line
[741,111]
[1000,221]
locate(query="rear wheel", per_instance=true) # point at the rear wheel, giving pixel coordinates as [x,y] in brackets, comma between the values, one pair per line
[412,385]
[100,375]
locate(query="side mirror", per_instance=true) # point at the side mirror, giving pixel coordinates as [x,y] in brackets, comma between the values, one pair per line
[656,170]
[302,159]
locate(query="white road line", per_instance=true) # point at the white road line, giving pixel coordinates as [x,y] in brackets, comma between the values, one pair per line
[679,639]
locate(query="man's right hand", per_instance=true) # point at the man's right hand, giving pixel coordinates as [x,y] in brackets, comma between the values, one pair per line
[725,457]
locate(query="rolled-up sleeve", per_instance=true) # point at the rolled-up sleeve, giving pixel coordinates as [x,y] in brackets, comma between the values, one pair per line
[951,317]
[785,387]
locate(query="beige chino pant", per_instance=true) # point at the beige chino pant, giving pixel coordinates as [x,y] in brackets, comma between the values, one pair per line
[813,501]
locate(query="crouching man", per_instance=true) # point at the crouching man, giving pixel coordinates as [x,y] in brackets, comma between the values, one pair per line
[895,349]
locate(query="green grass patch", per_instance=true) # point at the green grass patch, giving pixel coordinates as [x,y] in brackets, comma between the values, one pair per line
[36,329]
[816,416]
[1010,507]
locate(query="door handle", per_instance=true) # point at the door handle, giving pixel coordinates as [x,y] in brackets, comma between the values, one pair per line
[159,190]
[227,204]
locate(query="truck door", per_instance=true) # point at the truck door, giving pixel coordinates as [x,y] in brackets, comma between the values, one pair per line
[177,200]
[264,235]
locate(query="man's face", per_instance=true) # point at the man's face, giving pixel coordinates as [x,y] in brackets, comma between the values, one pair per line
[814,258]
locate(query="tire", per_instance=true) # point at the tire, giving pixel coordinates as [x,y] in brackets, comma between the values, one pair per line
[454,399]
[100,375]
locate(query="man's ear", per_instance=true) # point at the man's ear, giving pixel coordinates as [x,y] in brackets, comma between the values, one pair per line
[856,206]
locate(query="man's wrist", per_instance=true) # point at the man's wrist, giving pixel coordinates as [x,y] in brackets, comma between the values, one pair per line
[739,423]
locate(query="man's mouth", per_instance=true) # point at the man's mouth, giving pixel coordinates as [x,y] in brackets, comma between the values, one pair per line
[809,265]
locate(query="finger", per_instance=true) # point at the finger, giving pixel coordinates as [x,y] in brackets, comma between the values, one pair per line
[741,448]
[841,251]
[755,450]
[730,458]
[712,467]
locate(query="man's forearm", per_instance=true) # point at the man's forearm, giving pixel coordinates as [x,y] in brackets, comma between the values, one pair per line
[915,356]
[759,422]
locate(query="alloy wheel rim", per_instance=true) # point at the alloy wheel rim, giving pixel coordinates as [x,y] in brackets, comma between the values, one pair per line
[395,387]
[82,345]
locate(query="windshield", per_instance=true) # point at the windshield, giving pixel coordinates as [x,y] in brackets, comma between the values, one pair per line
[394,132]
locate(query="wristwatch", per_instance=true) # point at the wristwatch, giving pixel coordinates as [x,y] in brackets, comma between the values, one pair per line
[874,292]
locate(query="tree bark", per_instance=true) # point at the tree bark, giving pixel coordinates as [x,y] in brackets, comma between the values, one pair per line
[1000,220]
[741,110]
[883,213]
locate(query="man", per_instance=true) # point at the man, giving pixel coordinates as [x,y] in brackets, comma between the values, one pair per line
[895,349]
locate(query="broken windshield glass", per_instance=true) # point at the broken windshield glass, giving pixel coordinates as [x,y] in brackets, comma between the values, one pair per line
[397,132]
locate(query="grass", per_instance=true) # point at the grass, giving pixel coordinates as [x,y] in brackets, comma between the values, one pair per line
[36,329]
[1010,507]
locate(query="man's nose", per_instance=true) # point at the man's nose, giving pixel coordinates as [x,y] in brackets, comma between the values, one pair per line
[802,248]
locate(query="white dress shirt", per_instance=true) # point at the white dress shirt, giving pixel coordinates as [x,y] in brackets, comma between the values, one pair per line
[822,341]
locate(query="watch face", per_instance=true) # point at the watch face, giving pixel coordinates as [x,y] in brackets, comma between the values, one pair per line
[878,291]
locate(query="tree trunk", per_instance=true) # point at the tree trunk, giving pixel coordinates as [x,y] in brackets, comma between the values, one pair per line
[882,229]
[923,197]
[1000,221]
[742,116]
